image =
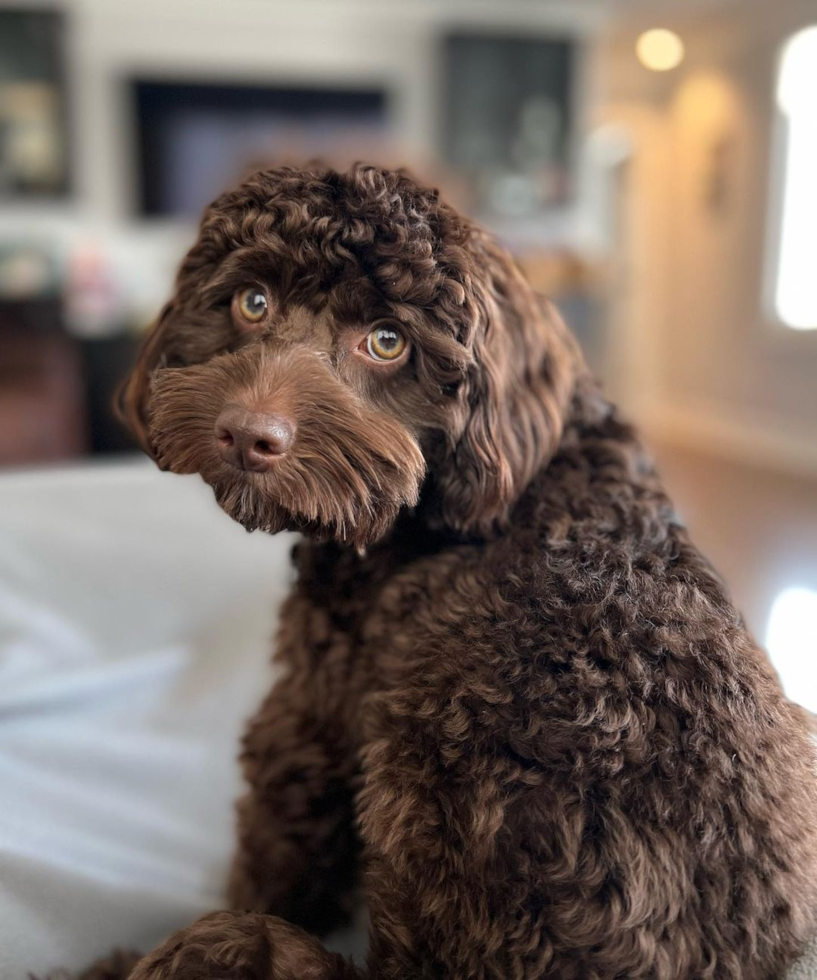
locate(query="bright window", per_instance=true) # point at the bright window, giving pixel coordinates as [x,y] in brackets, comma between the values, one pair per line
[795,286]
[791,639]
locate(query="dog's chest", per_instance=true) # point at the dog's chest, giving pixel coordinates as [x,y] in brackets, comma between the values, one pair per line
[379,619]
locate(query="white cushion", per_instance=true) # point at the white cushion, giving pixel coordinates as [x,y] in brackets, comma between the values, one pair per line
[135,639]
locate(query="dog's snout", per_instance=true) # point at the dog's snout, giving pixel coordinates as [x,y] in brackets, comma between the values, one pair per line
[252,440]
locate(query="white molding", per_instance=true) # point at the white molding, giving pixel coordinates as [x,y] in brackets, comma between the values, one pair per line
[763,442]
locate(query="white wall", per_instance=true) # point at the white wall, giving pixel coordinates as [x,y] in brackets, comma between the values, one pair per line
[719,370]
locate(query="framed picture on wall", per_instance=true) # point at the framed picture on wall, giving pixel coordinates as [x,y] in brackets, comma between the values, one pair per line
[33,130]
[508,119]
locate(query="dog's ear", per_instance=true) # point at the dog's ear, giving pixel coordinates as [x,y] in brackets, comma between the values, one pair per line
[514,399]
[131,401]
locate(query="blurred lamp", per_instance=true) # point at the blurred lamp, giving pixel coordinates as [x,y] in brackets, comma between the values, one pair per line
[660,50]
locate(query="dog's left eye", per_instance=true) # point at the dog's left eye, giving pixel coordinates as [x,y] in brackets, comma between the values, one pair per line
[250,305]
[384,343]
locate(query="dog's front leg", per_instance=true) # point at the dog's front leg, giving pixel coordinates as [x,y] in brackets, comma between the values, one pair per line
[243,946]
[297,845]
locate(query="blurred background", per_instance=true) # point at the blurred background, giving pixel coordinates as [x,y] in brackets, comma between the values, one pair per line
[652,164]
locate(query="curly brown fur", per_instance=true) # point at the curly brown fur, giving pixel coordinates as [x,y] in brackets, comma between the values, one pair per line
[520,715]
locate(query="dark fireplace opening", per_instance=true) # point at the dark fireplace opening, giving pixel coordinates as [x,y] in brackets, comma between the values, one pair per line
[194,139]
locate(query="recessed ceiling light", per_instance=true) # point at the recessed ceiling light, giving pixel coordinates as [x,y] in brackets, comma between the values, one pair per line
[660,50]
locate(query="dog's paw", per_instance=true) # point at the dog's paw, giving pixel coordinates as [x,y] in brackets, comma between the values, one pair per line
[242,946]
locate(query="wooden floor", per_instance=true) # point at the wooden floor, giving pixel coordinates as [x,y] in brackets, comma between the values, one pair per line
[759,529]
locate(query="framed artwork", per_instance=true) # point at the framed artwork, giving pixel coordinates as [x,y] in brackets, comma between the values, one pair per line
[33,130]
[508,119]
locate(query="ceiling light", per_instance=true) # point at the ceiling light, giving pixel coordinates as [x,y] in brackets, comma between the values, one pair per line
[660,50]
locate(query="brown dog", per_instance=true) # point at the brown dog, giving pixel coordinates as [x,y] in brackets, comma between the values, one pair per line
[519,711]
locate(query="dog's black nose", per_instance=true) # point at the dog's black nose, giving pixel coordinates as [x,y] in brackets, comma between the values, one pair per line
[251,440]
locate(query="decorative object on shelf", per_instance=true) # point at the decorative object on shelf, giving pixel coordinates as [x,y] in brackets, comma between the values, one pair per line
[93,304]
[28,270]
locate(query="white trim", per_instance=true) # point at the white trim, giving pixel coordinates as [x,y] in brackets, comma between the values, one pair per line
[761,442]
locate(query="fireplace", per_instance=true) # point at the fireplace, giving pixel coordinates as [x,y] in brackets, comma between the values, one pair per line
[195,139]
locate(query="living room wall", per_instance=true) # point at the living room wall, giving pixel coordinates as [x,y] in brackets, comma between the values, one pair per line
[712,364]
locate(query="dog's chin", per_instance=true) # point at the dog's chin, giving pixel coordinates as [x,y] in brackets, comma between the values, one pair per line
[261,502]
[252,508]
[320,495]
[255,510]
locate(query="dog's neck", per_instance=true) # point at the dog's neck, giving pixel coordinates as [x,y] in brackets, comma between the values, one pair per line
[418,532]
[346,582]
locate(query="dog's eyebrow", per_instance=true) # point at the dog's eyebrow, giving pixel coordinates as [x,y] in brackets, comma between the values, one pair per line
[241,265]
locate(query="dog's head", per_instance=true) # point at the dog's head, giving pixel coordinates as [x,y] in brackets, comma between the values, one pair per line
[339,342]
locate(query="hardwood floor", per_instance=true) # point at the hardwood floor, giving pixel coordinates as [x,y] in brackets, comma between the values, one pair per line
[759,529]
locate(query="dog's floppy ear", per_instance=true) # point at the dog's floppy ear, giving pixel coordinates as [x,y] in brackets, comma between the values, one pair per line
[514,399]
[131,401]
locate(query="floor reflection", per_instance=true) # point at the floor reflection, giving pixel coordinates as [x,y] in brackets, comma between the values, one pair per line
[759,528]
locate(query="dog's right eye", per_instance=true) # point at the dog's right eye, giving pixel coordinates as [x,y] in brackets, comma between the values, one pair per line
[250,306]
[384,343]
